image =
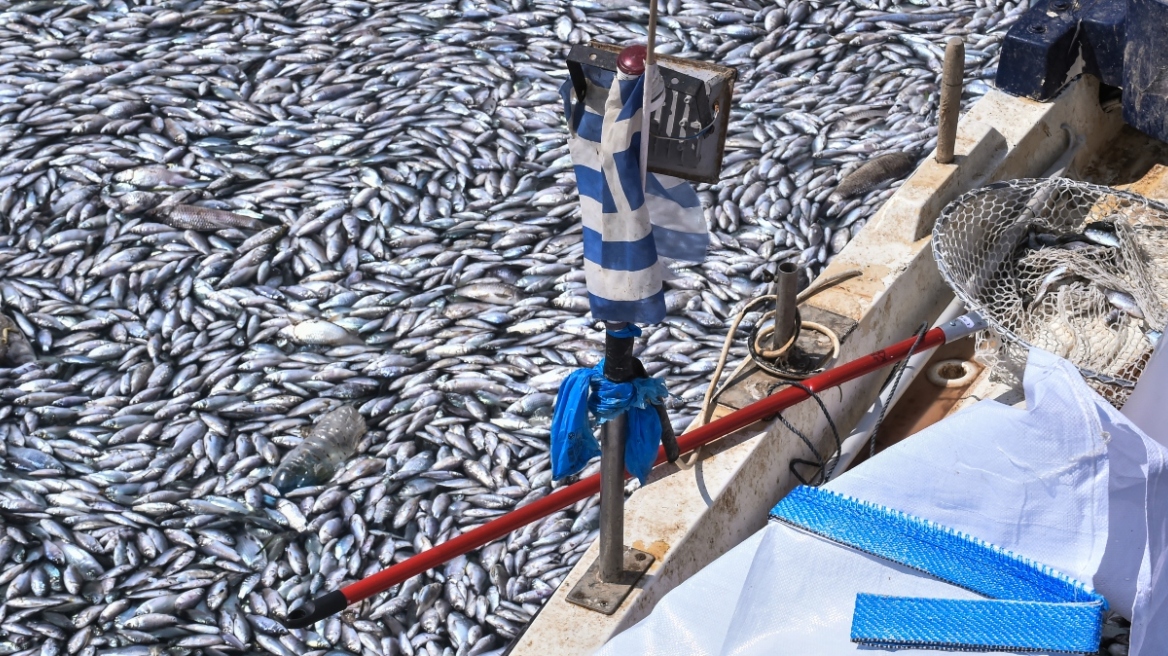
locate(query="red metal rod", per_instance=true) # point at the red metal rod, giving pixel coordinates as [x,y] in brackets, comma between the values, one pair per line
[334,602]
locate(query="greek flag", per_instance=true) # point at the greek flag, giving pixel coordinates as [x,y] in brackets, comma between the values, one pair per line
[633,220]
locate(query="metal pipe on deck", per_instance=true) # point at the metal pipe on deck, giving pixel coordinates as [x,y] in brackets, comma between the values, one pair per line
[952,73]
[786,289]
[618,367]
[612,498]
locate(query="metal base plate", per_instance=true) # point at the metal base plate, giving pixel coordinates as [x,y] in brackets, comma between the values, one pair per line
[812,348]
[594,594]
[807,355]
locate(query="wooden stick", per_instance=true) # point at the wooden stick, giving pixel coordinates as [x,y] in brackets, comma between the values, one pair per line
[951,83]
[646,121]
[650,57]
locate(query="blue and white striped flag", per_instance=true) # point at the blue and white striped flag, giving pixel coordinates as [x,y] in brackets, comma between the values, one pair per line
[632,220]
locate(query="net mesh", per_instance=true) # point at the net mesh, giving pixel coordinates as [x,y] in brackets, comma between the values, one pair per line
[1072,268]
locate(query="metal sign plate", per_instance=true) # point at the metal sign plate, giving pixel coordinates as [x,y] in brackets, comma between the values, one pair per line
[688,134]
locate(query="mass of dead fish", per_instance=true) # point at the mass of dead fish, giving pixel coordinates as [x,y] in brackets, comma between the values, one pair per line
[220,221]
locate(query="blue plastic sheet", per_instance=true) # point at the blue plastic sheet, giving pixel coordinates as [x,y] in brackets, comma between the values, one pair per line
[587,390]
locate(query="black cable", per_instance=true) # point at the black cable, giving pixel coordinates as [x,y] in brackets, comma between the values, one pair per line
[920,333]
[822,473]
[770,368]
[759,361]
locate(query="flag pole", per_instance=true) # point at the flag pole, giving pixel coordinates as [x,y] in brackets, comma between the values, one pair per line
[650,56]
[620,367]
[650,60]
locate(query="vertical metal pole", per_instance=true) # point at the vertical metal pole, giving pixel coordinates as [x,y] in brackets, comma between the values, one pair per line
[651,42]
[612,499]
[786,284]
[951,81]
[618,367]
[646,99]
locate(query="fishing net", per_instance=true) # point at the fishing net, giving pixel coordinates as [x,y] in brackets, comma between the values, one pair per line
[1075,269]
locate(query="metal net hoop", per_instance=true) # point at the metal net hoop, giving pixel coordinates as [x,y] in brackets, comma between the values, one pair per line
[1076,269]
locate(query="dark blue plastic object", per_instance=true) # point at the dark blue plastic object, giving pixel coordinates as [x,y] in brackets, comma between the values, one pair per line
[1122,42]
[1041,48]
[1145,68]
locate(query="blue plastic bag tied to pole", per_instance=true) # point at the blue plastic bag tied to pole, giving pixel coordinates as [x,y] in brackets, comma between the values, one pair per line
[587,390]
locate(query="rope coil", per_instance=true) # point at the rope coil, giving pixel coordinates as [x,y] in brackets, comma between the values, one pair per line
[760,359]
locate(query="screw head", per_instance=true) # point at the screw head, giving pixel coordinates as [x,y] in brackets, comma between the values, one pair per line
[1036,29]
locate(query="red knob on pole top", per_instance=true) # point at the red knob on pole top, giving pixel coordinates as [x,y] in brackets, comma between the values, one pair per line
[631,60]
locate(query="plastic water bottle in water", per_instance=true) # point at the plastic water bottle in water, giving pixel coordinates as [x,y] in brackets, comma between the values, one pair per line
[332,441]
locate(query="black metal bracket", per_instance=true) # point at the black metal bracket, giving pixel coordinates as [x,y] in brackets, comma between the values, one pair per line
[620,367]
[687,137]
[1121,42]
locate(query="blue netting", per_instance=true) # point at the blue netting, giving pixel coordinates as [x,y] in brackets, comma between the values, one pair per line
[1031,606]
[584,390]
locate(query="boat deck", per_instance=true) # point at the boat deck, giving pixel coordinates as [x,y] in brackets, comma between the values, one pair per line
[1136,163]
[688,517]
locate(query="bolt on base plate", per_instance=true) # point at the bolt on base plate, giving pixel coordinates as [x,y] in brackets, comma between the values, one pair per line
[594,594]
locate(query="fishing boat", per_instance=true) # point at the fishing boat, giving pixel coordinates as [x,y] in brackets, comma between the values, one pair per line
[688,515]
[885,298]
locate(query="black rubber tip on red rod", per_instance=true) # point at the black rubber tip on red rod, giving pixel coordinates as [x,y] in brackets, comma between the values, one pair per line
[316,610]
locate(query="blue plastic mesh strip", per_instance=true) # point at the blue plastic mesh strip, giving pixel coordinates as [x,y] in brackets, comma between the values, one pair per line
[976,624]
[1056,613]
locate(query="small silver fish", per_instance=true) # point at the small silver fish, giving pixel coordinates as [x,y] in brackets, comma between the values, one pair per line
[1124,301]
[193,217]
[1049,279]
[1153,336]
[318,332]
[1102,233]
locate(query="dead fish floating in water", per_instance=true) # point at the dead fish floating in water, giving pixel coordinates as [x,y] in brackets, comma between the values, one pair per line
[14,346]
[318,332]
[874,172]
[332,441]
[193,217]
